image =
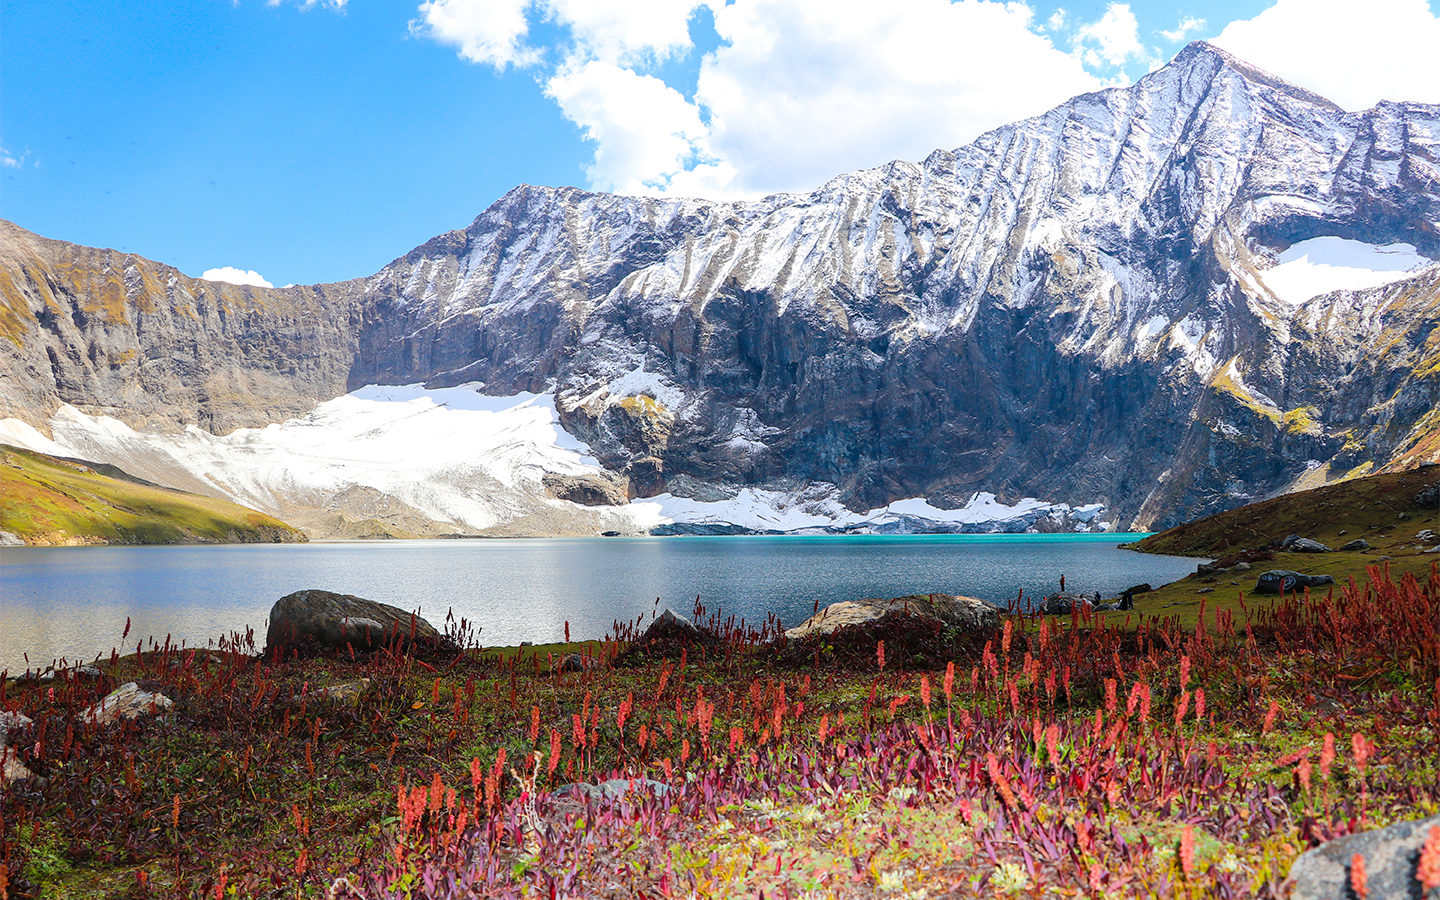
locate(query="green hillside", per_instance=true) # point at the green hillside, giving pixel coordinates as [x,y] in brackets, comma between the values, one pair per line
[1386,511]
[51,501]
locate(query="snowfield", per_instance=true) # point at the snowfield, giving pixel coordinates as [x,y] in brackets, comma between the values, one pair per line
[1324,264]
[457,460]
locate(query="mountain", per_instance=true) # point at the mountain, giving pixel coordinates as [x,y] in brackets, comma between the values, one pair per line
[48,500]
[1157,301]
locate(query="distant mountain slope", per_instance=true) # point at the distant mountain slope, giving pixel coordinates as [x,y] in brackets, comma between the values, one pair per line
[1077,307]
[48,500]
[1385,510]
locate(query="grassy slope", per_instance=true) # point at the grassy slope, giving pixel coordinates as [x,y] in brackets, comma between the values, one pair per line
[1379,508]
[50,500]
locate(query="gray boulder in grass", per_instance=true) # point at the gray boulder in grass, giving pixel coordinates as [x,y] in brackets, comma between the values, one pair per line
[962,612]
[1283,581]
[323,620]
[1391,857]
[671,628]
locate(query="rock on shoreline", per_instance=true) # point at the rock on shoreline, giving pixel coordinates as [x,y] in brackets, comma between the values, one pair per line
[323,620]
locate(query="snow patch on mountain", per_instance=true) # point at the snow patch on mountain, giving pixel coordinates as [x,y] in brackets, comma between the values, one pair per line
[454,455]
[817,509]
[1324,264]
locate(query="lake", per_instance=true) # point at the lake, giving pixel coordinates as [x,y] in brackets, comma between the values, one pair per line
[73,602]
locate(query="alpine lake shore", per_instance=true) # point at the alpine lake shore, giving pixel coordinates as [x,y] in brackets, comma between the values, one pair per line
[1209,742]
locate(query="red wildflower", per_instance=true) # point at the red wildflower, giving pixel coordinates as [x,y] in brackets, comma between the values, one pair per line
[1327,754]
[1427,872]
[1357,877]
[1187,850]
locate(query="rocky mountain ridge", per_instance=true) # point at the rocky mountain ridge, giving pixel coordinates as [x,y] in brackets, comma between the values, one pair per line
[1074,307]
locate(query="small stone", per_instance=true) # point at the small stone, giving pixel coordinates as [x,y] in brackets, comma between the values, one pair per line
[614,788]
[574,662]
[346,692]
[11,768]
[1205,590]
[1297,544]
[128,701]
[11,722]
[1357,544]
[1427,536]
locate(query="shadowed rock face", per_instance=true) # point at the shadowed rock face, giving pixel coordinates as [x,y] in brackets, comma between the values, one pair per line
[1073,308]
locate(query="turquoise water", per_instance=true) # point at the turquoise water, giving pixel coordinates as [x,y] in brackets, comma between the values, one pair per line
[73,602]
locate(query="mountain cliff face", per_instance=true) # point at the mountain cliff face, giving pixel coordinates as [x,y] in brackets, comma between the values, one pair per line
[1075,307]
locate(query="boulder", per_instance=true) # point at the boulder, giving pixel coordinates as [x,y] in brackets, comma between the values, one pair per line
[1283,581]
[669,628]
[1357,544]
[1063,604]
[128,701]
[614,789]
[1428,497]
[954,610]
[574,662]
[1427,536]
[1297,544]
[1390,855]
[322,620]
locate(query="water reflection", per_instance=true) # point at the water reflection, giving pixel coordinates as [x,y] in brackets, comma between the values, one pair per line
[73,602]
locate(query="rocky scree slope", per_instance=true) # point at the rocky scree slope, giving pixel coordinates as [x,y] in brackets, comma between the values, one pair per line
[1073,307]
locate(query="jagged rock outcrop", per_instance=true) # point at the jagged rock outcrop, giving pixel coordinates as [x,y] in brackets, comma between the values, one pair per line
[1074,307]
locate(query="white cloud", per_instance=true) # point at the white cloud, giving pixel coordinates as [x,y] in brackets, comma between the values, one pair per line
[235,276]
[1184,28]
[485,31]
[1111,40]
[497,32]
[632,30]
[797,92]
[644,131]
[800,92]
[11,161]
[1056,22]
[337,5]
[1353,53]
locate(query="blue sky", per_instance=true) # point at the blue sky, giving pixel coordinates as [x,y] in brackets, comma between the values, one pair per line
[317,141]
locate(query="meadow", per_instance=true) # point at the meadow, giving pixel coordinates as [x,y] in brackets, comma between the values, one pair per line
[1073,756]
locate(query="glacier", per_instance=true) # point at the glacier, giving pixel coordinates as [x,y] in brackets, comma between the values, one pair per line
[429,461]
